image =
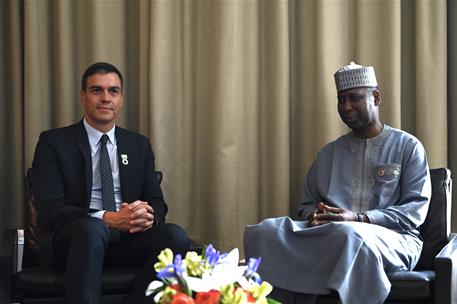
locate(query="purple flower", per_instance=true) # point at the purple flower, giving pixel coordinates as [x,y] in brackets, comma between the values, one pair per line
[167,272]
[251,271]
[179,269]
[212,255]
[253,264]
[174,270]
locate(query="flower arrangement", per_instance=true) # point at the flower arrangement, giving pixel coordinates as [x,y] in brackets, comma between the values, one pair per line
[210,278]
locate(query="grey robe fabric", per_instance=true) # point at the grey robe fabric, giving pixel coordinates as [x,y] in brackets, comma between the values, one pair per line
[387,178]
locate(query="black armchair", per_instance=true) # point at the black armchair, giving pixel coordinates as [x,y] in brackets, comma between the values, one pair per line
[434,280]
[23,280]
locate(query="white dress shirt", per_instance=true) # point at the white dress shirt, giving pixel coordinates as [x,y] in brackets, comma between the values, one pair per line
[94,141]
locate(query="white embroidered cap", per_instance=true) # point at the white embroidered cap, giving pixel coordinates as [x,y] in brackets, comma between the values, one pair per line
[355,76]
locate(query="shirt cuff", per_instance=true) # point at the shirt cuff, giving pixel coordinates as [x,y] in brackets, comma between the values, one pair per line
[98,214]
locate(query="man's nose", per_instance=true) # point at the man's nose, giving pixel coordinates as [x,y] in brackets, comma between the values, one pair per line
[106,97]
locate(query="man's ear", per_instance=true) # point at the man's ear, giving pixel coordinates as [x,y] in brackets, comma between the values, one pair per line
[377,97]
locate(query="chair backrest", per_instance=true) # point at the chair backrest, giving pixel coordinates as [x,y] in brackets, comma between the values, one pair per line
[31,244]
[436,229]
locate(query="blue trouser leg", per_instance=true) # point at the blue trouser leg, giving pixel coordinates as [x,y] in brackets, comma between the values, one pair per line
[80,248]
[141,250]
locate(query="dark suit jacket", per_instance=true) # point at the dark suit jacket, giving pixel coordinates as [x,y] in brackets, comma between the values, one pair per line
[62,178]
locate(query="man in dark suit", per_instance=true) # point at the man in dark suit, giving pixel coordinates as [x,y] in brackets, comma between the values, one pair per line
[77,232]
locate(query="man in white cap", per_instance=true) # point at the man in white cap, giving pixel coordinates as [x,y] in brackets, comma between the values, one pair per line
[363,200]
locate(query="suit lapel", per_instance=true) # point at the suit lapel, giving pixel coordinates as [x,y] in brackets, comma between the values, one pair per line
[122,157]
[83,143]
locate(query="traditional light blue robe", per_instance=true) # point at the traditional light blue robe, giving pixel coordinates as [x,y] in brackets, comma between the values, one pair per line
[387,178]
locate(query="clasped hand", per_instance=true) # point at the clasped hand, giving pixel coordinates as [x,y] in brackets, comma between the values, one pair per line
[324,214]
[134,217]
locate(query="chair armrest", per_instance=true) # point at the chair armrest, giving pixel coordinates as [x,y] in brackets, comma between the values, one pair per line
[446,273]
[7,263]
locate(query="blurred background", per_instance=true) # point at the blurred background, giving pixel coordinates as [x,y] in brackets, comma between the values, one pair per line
[236,96]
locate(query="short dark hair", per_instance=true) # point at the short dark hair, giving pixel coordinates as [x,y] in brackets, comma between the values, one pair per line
[100,67]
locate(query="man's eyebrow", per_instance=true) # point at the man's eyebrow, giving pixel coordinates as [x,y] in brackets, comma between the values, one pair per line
[100,87]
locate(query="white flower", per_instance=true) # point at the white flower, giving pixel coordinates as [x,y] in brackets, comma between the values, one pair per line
[153,286]
[225,272]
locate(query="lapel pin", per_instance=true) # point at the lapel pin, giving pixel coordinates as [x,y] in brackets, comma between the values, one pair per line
[124,159]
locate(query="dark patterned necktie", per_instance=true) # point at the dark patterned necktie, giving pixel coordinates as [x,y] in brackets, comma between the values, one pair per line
[108,201]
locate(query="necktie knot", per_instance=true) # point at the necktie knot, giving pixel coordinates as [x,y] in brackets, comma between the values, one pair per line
[104,139]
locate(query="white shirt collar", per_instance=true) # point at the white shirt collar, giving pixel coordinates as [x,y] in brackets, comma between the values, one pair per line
[95,135]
